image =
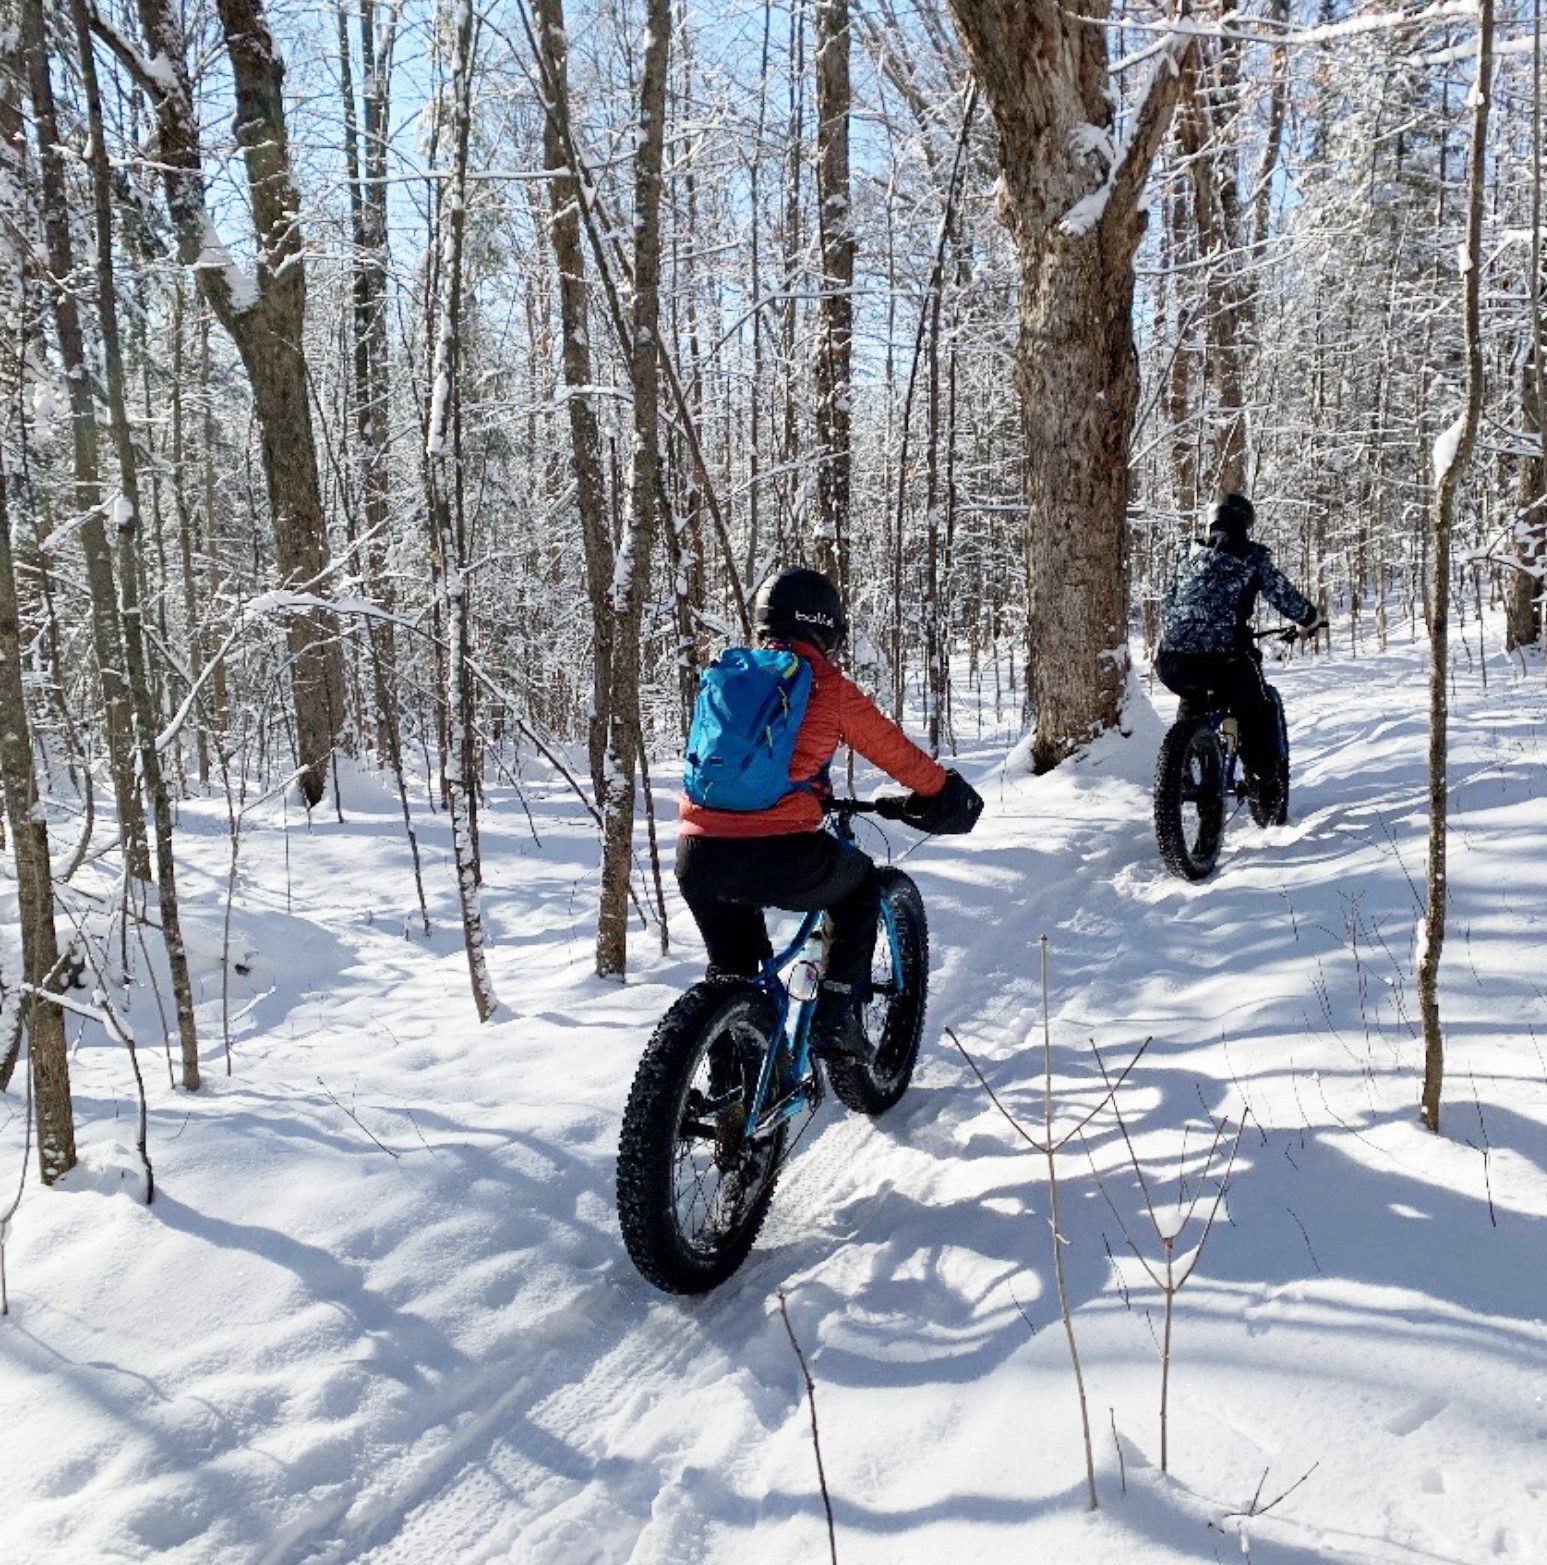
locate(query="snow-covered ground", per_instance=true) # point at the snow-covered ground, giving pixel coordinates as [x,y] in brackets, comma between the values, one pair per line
[380,1310]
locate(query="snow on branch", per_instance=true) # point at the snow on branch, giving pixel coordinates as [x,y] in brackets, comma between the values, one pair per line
[1129,156]
[1445,448]
[1264,29]
[213,256]
[156,76]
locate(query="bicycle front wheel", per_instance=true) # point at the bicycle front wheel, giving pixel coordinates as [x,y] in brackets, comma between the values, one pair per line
[693,1184]
[1190,798]
[1271,805]
[894,1017]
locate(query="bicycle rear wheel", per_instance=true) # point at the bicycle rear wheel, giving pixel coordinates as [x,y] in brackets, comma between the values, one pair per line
[894,1018]
[1189,798]
[693,1185]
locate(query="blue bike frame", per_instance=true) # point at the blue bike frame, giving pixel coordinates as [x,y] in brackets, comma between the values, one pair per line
[792,1035]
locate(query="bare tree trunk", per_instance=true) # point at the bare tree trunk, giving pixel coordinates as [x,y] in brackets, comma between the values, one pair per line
[448,555]
[1184,468]
[219,690]
[1522,603]
[266,322]
[366,165]
[834,347]
[28,826]
[186,526]
[50,1064]
[1044,72]
[128,520]
[1450,469]
[632,574]
[1206,121]
[1524,618]
[789,436]
[584,436]
[106,634]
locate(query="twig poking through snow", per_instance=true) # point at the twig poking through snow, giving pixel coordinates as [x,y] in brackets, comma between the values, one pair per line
[355,1117]
[816,1437]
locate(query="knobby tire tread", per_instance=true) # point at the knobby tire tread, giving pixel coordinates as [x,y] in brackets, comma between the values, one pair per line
[1170,833]
[1279,814]
[856,1083]
[648,1141]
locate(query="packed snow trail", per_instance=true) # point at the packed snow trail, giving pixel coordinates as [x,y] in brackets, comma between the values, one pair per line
[380,1310]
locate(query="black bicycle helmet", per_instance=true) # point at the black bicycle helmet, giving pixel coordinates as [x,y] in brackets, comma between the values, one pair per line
[801,605]
[1232,513]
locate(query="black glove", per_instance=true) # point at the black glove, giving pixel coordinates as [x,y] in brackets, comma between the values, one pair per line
[953,811]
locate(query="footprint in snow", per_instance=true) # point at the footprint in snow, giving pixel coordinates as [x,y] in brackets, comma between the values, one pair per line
[1088,923]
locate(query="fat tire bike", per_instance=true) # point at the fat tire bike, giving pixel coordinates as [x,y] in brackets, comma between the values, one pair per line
[1200,774]
[729,1070]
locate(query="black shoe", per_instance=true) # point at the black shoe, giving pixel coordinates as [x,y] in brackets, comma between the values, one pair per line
[837,1028]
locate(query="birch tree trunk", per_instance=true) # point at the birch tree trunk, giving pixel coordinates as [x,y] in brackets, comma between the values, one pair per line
[106,632]
[267,324]
[128,521]
[1071,201]
[631,576]
[448,555]
[1450,469]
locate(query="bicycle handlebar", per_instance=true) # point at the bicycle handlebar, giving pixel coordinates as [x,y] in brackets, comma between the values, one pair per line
[1282,632]
[888,806]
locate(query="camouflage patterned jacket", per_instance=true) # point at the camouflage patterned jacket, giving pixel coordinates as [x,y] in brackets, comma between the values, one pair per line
[1213,593]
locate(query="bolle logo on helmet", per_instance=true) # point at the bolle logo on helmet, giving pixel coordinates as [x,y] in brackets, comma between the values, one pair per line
[815,619]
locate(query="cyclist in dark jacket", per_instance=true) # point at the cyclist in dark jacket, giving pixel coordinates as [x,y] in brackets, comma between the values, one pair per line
[1206,642]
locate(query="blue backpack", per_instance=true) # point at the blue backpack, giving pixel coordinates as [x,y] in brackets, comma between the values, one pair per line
[742,738]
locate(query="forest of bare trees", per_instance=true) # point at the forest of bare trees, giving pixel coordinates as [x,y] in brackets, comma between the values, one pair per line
[424,387]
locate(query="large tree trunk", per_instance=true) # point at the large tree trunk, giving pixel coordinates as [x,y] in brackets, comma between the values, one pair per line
[834,348]
[267,324]
[1450,470]
[584,436]
[632,575]
[128,522]
[1072,207]
[106,633]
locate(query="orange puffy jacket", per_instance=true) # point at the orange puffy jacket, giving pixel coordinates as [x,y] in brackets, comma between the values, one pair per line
[839,712]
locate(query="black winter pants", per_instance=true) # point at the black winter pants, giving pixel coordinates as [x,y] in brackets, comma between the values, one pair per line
[1236,681]
[728,881]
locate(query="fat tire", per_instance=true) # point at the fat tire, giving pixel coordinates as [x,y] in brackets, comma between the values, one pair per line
[1279,811]
[871,1086]
[1195,861]
[648,1144]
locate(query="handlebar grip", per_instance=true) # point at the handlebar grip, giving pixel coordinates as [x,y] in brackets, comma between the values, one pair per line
[891,806]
